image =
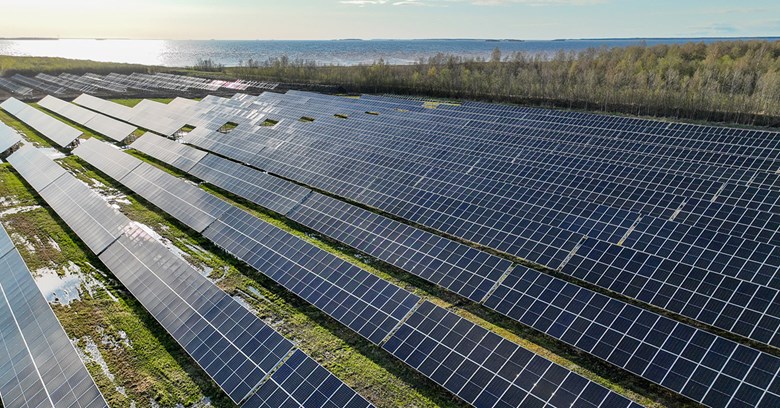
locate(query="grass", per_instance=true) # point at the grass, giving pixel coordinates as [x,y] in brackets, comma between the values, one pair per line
[135,101]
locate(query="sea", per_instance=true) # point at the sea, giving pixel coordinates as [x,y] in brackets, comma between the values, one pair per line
[181,53]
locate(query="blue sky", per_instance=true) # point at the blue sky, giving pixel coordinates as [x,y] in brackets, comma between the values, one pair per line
[329,19]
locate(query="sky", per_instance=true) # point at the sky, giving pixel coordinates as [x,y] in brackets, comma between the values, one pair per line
[402,19]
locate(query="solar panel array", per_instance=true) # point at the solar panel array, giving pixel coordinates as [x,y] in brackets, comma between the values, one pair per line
[361,301]
[677,216]
[39,85]
[14,88]
[54,130]
[139,117]
[550,305]
[38,365]
[234,347]
[97,122]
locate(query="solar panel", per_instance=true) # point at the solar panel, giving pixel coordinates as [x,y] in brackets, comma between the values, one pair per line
[189,204]
[457,267]
[301,382]
[8,137]
[261,188]
[360,300]
[111,160]
[13,87]
[54,130]
[97,122]
[168,151]
[96,223]
[39,85]
[195,312]
[38,364]
[729,303]
[679,357]
[486,370]
[35,167]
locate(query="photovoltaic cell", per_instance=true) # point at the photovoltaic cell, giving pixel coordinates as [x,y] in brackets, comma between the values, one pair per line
[486,370]
[301,382]
[107,158]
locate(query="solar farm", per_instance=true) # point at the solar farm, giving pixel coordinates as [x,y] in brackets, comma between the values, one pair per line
[472,254]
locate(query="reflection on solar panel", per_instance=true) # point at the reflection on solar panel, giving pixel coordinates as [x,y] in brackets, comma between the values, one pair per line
[141,118]
[487,370]
[236,349]
[102,124]
[38,365]
[180,156]
[8,137]
[51,128]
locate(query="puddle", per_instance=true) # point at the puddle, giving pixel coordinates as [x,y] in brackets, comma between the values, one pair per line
[112,196]
[241,301]
[69,286]
[52,153]
[24,242]
[91,354]
[9,201]
[17,210]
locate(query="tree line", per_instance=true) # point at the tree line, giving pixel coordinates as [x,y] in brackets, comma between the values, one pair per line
[734,81]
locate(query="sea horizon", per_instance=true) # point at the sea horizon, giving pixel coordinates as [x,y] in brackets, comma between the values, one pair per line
[346,51]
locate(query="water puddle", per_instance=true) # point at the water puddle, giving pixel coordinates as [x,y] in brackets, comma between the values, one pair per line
[68,284]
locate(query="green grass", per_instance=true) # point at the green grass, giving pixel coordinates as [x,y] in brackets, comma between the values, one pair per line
[135,101]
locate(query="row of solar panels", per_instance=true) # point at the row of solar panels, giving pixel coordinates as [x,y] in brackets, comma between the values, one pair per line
[537,225]
[379,311]
[39,367]
[66,84]
[234,108]
[761,328]
[526,295]
[249,360]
